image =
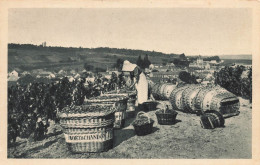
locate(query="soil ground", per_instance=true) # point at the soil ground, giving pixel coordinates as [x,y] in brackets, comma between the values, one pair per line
[185,139]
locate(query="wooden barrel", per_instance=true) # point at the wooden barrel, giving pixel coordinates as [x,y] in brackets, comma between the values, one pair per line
[168,90]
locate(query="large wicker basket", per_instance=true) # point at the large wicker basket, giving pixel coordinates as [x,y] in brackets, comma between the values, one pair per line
[176,98]
[217,98]
[196,98]
[87,131]
[189,96]
[120,101]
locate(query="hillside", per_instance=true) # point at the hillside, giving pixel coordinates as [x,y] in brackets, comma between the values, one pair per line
[183,140]
[27,57]
[241,57]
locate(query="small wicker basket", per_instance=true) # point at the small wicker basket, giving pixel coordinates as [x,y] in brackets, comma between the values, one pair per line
[211,119]
[149,106]
[143,129]
[166,118]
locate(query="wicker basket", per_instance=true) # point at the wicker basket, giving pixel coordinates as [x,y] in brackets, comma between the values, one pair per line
[165,118]
[143,129]
[120,101]
[219,117]
[217,98]
[88,131]
[212,119]
[164,105]
[196,98]
[149,106]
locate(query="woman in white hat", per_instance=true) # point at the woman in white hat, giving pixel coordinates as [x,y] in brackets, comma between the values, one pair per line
[140,82]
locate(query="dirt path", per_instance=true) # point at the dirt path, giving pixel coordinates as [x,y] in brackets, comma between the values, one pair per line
[185,139]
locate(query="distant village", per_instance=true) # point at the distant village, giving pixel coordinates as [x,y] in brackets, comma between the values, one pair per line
[202,70]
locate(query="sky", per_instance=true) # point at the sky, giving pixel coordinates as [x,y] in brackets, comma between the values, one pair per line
[193,31]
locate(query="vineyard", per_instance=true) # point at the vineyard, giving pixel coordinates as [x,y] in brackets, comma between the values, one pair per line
[27,103]
[34,129]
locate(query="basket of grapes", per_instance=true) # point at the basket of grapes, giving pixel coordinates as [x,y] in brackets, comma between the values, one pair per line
[88,128]
[143,124]
[120,102]
[166,116]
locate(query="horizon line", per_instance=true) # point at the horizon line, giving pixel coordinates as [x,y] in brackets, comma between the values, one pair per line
[248,54]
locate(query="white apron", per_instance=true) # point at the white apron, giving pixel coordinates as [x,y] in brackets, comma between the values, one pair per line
[142,89]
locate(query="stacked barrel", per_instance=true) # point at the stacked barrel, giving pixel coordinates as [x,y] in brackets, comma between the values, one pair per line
[192,98]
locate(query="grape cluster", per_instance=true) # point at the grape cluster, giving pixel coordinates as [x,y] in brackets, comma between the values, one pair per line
[87,108]
[142,120]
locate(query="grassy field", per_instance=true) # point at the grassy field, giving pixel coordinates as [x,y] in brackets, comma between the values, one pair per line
[183,140]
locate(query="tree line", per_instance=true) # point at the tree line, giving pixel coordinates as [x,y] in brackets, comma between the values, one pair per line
[97,50]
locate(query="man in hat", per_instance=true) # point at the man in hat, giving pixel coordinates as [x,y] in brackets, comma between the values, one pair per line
[140,82]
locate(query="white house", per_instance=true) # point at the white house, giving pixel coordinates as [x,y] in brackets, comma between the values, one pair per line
[77,76]
[207,66]
[46,74]
[24,73]
[91,79]
[71,79]
[151,66]
[51,76]
[213,62]
[13,73]
[13,76]
[61,72]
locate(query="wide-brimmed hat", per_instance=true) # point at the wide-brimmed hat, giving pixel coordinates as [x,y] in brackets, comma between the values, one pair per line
[128,66]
